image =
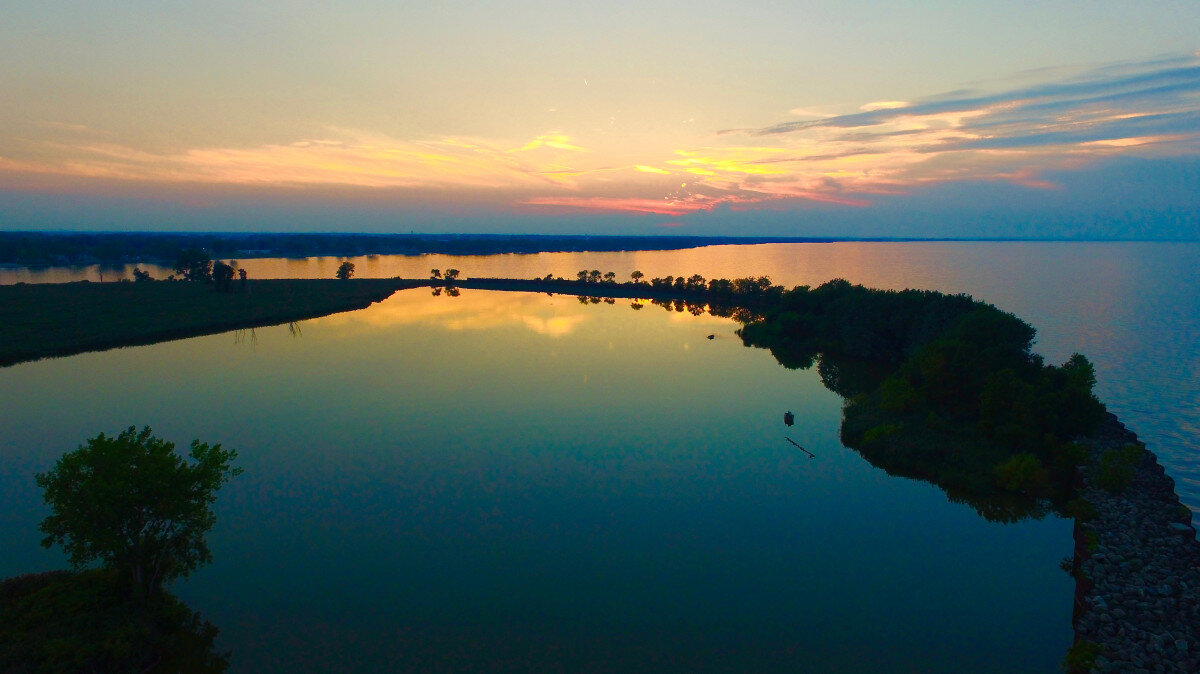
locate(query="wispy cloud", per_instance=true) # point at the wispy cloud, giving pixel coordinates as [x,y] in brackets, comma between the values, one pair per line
[1012,134]
[1017,132]
[343,157]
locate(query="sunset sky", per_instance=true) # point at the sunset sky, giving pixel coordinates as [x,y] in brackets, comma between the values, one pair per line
[1049,119]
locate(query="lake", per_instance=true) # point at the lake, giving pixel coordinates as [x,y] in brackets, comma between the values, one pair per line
[1130,307]
[507,481]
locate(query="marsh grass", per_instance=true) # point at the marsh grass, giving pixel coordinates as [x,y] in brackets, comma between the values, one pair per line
[44,320]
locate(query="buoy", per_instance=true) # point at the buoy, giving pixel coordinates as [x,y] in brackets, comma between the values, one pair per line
[789,418]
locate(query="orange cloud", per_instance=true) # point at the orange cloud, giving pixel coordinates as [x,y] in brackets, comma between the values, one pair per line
[883,147]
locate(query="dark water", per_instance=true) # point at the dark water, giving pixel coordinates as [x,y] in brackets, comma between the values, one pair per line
[511,482]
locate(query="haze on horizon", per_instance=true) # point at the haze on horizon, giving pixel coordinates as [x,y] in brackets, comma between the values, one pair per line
[1054,120]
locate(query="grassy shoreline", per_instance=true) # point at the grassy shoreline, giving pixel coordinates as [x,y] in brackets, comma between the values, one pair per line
[62,319]
[47,320]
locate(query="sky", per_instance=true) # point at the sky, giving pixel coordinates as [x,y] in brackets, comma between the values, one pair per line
[860,119]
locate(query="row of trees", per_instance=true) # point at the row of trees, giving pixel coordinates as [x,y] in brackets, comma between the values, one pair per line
[194,264]
[41,248]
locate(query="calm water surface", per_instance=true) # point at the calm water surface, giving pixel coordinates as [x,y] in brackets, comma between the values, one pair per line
[514,482]
[1132,308]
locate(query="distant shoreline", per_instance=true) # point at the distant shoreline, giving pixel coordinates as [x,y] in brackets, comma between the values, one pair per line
[39,249]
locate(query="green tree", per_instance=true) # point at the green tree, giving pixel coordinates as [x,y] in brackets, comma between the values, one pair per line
[135,505]
[345,270]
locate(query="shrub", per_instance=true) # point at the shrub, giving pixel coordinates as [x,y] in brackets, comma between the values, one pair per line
[881,432]
[1115,470]
[1081,657]
[1022,473]
[1081,509]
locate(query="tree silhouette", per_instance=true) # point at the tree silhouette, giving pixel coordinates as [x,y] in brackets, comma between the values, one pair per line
[194,264]
[435,273]
[451,274]
[637,276]
[223,276]
[345,270]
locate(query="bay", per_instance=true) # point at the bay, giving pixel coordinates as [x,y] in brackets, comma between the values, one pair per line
[516,482]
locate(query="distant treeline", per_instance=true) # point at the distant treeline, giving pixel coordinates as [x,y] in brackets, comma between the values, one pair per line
[74,248]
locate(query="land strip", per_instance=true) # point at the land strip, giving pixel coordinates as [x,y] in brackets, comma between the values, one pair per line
[45,320]
[1137,567]
[60,319]
[643,291]
[118,248]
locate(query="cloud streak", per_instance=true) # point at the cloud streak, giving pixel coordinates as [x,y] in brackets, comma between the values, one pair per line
[344,157]
[1051,121]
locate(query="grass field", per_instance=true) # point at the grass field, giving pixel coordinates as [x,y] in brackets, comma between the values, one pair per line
[43,320]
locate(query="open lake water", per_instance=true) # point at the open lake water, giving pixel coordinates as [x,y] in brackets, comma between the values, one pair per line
[509,481]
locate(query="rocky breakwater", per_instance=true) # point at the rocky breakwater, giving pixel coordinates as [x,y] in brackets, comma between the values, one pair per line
[1137,564]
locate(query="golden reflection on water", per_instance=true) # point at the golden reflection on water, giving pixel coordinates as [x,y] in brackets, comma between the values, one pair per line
[553,316]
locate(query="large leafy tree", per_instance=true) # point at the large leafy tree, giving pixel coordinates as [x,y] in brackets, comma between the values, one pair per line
[135,505]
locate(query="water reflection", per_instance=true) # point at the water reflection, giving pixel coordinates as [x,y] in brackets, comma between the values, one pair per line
[473,310]
[509,480]
[1094,298]
[904,452]
[246,336]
